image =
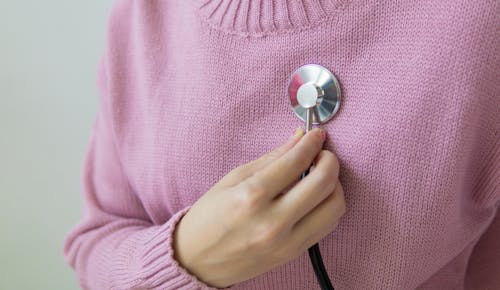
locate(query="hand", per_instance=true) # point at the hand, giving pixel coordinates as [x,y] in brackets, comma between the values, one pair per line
[258,216]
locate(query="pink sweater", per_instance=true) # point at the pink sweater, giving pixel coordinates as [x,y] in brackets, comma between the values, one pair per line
[191,89]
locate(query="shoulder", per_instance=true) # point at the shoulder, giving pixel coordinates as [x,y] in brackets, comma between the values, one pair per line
[135,41]
[132,22]
[133,58]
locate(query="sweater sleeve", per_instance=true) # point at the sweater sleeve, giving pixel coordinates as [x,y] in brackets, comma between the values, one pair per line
[116,245]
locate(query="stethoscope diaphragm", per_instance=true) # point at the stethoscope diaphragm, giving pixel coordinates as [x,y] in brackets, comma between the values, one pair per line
[315,89]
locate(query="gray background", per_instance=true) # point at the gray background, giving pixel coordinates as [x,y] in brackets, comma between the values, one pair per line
[49,52]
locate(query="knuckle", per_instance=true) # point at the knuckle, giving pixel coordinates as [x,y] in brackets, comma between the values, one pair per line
[324,177]
[330,160]
[272,154]
[336,163]
[298,159]
[315,138]
[342,207]
[247,201]
[240,171]
[340,203]
[252,195]
[268,234]
[327,173]
[254,186]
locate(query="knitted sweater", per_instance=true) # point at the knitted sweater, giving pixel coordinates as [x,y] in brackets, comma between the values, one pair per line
[192,89]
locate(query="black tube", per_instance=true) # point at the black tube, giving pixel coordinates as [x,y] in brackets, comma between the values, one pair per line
[319,268]
[317,260]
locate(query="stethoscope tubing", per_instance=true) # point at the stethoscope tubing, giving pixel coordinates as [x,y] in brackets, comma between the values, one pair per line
[314,252]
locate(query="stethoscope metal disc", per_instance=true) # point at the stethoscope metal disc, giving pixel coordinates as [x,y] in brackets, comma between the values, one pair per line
[313,86]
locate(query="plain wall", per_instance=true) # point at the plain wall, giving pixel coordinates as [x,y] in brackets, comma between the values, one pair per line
[49,52]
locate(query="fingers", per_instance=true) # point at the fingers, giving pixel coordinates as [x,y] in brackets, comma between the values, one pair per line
[270,157]
[246,170]
[311,190]
[321,221]
[280,173]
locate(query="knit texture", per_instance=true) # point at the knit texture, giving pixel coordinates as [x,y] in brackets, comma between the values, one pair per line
[191,89]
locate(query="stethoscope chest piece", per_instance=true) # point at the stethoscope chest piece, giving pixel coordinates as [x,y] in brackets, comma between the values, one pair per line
[314,90]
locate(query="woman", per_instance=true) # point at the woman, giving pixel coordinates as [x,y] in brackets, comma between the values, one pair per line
[183,187]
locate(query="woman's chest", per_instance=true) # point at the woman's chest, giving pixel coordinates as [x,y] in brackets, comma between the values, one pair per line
[398,132]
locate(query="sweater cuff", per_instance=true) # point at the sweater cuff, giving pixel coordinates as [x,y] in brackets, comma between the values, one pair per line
[155,264]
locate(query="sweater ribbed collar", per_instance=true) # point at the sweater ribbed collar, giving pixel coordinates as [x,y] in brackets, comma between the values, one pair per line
[263,17]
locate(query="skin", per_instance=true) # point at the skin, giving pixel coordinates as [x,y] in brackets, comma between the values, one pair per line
[260,216]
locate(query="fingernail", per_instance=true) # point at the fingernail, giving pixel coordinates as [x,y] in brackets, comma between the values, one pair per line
[299,132]
[323,134]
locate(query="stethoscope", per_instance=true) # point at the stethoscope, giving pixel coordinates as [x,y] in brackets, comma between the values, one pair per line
[314,94]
